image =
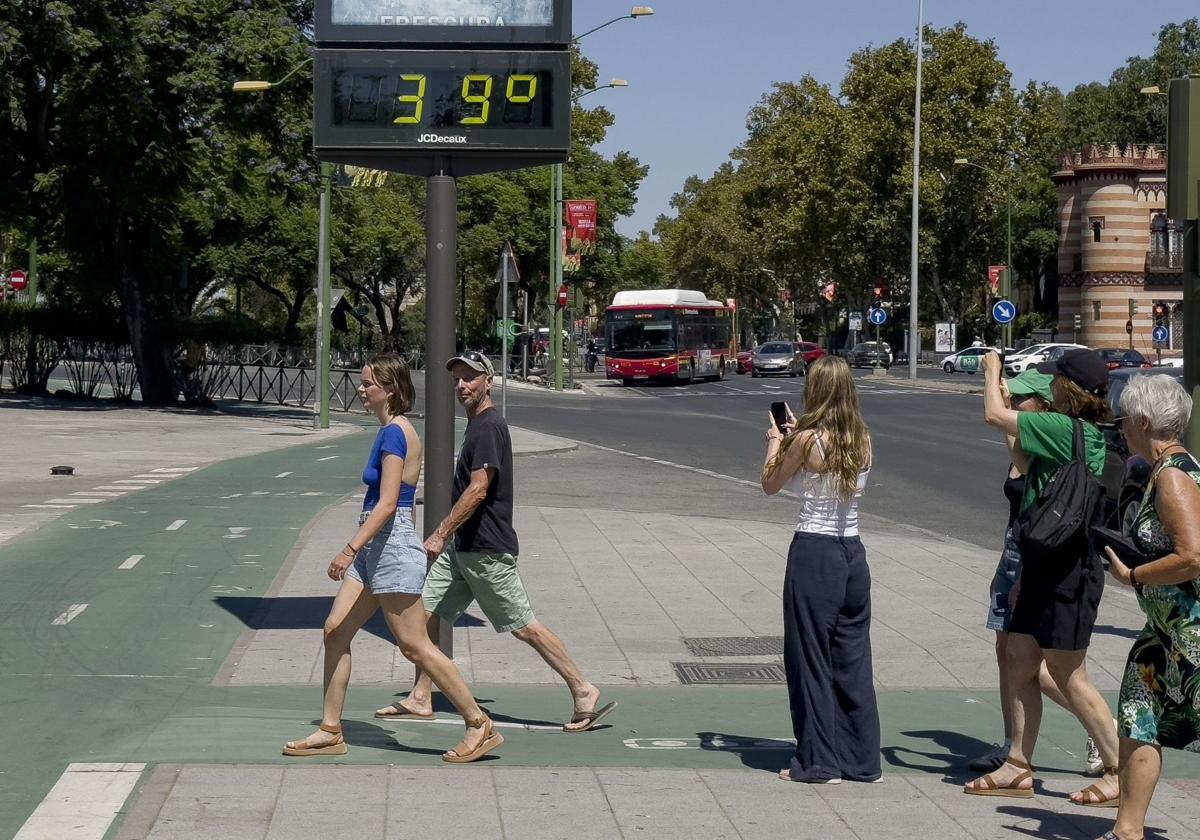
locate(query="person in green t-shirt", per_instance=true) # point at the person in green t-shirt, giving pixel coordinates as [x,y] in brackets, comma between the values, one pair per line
[1058,596]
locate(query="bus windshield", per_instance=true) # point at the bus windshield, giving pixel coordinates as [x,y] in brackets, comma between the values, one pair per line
[634,333]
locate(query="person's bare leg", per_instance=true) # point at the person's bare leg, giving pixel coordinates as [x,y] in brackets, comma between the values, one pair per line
[1005,685]
[405,615]
[1024,659]
[1141,766]
[420,696]
[1050,687]
[352,607]
[1068,668]
[551,648]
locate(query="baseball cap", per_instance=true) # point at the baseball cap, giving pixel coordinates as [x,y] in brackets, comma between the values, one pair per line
[1031,383]
[477,361]
[1083,367]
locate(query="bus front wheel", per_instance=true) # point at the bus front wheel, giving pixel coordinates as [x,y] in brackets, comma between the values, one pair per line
[721,370]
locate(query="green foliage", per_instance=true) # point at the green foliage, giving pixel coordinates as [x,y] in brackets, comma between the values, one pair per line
[224,329]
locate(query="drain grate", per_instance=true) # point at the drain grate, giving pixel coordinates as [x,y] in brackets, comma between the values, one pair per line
[707,673]
[736,646]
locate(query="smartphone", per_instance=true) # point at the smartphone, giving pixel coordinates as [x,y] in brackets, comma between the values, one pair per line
[779,414]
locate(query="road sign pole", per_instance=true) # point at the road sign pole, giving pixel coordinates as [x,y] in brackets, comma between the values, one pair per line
[504,331]
[31,289]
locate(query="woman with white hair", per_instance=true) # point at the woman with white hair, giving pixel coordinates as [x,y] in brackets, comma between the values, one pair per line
[1159,704]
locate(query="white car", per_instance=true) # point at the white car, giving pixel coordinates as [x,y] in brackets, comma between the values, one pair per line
[1035,355]
[967,360]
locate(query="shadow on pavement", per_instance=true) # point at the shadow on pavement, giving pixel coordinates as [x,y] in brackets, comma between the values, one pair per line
[1073,826]
[1122,632]
[757,753]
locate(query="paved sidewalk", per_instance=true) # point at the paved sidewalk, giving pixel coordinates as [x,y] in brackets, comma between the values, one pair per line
[624,589]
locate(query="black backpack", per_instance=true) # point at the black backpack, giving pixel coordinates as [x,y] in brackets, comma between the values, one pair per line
[1060,516]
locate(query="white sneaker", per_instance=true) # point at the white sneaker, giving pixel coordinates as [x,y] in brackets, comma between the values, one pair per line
[990,760]
[1093,768]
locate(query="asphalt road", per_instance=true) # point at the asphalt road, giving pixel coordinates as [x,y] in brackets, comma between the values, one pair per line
[937,466]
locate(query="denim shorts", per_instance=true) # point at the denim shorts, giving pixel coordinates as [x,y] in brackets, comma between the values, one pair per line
[1009,567]
[394,561]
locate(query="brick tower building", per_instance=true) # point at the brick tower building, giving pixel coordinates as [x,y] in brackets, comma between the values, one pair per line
[1115,244]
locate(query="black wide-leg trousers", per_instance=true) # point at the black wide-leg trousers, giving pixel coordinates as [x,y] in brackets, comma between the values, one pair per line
[827,654]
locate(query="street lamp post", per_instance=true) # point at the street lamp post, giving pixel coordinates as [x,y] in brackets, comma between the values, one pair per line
[914,335]
[324,325]
[556,228]
[1006,277]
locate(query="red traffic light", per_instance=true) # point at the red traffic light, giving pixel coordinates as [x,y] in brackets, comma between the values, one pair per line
[1160,310]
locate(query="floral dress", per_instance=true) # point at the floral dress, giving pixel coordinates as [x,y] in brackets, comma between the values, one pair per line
[1160,691]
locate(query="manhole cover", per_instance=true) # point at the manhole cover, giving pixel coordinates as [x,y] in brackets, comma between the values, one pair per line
[707,673]
[736,646]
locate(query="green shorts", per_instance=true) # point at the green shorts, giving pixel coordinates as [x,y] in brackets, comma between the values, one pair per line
[457,578]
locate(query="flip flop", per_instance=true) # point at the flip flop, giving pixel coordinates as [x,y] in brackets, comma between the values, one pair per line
[338,747]
[460,755]
[591,718]
[403,713]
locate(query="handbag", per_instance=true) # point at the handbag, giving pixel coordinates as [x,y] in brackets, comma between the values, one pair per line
[1122,545]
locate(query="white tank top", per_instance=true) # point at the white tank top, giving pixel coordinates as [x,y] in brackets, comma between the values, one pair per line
[822,509]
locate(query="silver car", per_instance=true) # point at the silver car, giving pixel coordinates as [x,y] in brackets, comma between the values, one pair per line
[775,358]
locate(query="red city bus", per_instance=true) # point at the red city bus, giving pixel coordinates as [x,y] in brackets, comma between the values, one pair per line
[667,334]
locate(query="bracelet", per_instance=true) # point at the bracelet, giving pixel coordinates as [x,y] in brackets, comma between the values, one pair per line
[353,550]
[1133,581]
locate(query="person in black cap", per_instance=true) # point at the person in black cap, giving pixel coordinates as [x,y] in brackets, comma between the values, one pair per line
[1059,595]
[474,551]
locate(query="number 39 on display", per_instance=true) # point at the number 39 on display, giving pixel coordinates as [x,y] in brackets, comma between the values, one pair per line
[475,97]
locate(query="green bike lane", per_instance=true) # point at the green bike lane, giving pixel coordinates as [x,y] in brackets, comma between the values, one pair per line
[129,678]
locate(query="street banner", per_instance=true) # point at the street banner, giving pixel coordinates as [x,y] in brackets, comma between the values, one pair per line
[994,272]
[571,262]
[943,338]
[581,226]
[829,292]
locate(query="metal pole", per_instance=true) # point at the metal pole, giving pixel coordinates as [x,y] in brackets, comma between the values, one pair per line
[1006,289]
[441,246]
[558,279]
[321,366]
[914,334]
[31,283]
[504,331]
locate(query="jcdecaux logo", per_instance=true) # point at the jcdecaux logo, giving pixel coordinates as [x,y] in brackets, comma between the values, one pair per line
[442,138]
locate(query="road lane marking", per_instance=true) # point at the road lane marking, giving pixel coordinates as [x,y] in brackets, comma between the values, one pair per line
[131,562]
[53,507]
[997,442]
[175,470]
[106,493]
[329,457]
[176,525]
[122,487]
[76,501]
[283,475]
[72,611]
[140,482]
[83,803]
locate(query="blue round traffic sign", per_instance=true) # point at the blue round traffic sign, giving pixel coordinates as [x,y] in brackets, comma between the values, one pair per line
[1004,311]
[878,317]
[1161,335]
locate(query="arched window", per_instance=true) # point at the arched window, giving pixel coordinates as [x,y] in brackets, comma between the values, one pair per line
[1097,225]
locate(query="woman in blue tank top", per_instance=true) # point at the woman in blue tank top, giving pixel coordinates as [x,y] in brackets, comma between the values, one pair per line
[383,565]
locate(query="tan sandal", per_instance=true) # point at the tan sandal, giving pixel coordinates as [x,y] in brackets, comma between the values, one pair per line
[462,755]
[338,747]
[988,786]
[1093,797]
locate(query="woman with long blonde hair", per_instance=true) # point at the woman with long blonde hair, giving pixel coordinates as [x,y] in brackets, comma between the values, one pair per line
[824,456]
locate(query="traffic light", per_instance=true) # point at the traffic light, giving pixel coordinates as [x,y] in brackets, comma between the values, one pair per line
[1133,307]
[1160,314]
[877,298]
[1078,322]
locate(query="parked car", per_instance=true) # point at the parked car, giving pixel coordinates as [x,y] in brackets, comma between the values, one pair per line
[1035,355]
[870,354]
[745,360]
[1178,362]
[1122,357]
[810,351]
[777,357]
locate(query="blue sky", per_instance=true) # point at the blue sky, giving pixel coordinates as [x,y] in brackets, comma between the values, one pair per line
[697,67]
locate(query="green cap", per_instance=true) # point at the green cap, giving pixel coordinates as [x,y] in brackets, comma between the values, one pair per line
[1032,383]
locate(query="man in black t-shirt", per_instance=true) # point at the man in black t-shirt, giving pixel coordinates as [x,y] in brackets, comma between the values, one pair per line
[480,562]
